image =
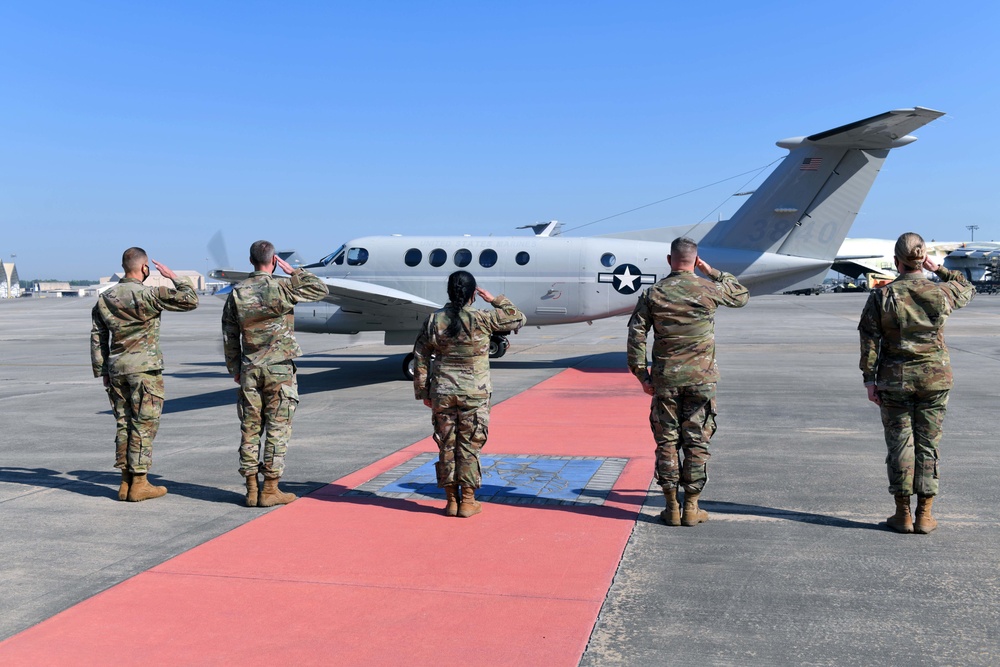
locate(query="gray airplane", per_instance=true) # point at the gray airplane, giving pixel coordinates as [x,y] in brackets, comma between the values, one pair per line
[786,235]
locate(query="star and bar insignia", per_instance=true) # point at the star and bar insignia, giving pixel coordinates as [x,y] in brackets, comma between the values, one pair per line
[627,278]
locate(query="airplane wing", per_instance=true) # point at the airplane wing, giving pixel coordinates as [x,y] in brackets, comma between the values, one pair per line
[229,275]
[354,296]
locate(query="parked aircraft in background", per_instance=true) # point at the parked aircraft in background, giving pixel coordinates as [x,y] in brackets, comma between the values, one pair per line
[786,235]
[978,261]
[858,257]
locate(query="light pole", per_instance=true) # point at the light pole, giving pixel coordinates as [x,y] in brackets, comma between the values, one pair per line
[972,230]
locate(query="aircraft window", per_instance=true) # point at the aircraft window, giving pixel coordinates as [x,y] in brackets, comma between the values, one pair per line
[608,259]
[437,257]
[413,256]
[337,257]
[487,258]
[357,256]
[522,258]
[462,257]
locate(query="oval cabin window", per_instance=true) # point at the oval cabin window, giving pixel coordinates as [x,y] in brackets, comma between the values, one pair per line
[487,258]
[437,257]
[413,256]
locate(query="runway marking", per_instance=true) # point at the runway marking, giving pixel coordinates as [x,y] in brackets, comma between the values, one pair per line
[339,578]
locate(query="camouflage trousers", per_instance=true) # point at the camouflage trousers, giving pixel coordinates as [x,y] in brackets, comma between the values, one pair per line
[136,402]
[683,420]
[461,427]
[268,396]
[913,423]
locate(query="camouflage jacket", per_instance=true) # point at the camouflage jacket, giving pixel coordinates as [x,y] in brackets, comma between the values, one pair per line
[461,365]
[258,320]
[681,311]
[902,331]
[125,331]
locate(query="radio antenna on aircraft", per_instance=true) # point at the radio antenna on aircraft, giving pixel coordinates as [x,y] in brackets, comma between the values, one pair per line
[680,194]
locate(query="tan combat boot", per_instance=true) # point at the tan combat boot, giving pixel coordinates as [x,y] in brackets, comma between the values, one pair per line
[901,521]
[271,495]
[924,522]
[692,515]
[469,505]
[672,515]
[451,493]
[251,498]
[123,487]
[141,489]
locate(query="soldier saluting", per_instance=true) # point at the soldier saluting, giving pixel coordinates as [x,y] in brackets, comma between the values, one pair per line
[907,373]
[681,311]
[125,351]
[259,343]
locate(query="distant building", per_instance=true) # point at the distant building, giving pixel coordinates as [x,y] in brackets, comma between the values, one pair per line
[156,280]
[50,286]
[10,286]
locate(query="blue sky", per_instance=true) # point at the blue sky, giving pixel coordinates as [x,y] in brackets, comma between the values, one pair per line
[308,123]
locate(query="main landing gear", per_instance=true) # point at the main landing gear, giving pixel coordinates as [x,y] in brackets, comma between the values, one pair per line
[498,346]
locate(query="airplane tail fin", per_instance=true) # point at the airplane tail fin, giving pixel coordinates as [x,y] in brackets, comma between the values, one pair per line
[808,203]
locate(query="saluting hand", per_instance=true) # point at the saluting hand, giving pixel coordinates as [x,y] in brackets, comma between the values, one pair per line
[484,295]
[703,266]
[283,265]
[929,264]
[164,270]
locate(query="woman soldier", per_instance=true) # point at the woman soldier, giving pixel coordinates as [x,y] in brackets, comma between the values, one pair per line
[908,374]
[455,385]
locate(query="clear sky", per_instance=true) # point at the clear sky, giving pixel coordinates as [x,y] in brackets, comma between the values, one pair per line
[309,123]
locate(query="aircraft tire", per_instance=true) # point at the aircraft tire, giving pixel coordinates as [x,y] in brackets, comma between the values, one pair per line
[408,367]
[498,346]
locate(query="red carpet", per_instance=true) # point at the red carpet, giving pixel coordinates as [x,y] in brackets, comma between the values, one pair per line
[351,580]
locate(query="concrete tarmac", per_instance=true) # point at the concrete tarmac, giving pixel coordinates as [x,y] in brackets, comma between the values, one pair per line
[794,567]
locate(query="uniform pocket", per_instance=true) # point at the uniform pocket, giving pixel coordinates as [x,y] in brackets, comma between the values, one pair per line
[288,401]
[151,401]
[711,412]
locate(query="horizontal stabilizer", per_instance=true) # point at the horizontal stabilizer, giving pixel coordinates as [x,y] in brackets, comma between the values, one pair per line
[807,205]
[887,130]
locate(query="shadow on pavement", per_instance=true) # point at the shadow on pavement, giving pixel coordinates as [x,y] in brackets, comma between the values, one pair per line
[337,493]
[789,515]
[105,484]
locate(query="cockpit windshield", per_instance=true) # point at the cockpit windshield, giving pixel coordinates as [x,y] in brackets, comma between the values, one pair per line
[335,257]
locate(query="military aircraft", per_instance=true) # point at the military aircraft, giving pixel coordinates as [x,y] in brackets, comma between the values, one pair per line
[786,234]
[858,257]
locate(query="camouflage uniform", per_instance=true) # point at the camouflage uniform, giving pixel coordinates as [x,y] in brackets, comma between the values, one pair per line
[457,381]
[259,343]
[681,311]
[125,346]
[903,354]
